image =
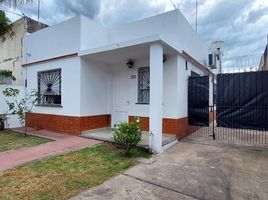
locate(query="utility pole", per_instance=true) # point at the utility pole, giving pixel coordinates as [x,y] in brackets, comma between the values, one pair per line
[38,10]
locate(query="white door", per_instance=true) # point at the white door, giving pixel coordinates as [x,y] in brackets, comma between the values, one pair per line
[120,95]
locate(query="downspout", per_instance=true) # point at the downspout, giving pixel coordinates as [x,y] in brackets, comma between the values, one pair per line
[27,50]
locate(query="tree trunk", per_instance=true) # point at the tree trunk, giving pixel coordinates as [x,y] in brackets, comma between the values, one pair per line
[25,131]
[2,125]
[25,126]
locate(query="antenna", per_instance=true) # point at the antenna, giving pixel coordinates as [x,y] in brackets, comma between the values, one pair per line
[173,4]
[196,5]
[38,10]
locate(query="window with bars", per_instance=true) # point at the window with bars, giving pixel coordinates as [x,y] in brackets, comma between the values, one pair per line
[144,85]
[49,87]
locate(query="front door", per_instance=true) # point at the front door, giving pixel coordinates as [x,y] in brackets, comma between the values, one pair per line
[120,97]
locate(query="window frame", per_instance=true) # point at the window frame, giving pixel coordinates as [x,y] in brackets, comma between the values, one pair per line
[39,103]
[139,89]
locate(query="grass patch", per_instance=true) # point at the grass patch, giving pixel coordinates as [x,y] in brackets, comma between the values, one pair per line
[12,140]
[61,177]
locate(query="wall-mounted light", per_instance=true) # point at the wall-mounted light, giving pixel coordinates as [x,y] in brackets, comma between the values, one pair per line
[130,63]
[164,58]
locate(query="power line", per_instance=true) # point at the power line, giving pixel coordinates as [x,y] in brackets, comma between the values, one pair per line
[12,12]
[173,4]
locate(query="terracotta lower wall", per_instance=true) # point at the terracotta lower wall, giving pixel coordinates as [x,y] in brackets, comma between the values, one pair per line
[93,122]
[172,126]
[67,124]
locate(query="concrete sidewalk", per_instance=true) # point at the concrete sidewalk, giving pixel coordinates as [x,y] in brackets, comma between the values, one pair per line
[62,143]
[192,169]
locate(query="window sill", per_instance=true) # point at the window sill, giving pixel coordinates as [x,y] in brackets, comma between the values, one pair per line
[142,103]
[49,105]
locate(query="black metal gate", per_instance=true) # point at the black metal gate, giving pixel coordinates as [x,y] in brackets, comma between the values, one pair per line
[198,105]
[240,112]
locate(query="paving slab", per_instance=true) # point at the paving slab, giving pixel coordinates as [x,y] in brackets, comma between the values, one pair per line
[193,170]
[123,187]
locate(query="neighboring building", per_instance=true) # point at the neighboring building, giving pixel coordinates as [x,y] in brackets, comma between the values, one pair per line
[11,46]
[91,77]
[264,59]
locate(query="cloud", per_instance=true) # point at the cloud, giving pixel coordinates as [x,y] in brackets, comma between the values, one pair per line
[82,7]
[238,23]
[55,11]
[242,24]
[255,14]
[115,12]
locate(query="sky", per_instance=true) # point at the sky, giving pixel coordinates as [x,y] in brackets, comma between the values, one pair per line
[241,24]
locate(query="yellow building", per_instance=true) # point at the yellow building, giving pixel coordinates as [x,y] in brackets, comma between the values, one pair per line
[11,47]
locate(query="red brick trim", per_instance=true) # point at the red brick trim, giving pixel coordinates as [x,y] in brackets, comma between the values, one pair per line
[170,126]
[67,124]
[51,59]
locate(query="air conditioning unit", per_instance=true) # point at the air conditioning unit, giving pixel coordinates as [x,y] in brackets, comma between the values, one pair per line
[212,61]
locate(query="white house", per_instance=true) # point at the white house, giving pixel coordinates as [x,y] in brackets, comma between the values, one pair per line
[91,77]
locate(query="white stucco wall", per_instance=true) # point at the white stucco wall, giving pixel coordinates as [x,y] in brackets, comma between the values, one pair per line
[170,105]
[70,85]
[97,93]
[86,86]
[95,88]
[92,34]
[171,26]
[58,40]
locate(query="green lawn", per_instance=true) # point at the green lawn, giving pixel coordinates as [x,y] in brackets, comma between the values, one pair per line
[11,140]
[63,176]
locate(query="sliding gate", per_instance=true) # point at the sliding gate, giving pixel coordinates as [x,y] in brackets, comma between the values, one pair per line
[239,112]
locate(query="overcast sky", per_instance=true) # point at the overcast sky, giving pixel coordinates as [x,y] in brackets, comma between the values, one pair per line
[241,24]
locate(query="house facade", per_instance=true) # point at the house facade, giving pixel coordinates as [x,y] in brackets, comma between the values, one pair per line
[91,77]
[11,47]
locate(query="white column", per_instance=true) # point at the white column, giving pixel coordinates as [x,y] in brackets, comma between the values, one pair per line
[156,97]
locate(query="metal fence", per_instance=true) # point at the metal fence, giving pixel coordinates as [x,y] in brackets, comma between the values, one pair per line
[240,112]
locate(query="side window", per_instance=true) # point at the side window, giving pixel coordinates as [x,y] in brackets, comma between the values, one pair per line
[144,85]
[49,87]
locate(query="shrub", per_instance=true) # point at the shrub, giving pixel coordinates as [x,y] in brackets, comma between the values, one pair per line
[127,135]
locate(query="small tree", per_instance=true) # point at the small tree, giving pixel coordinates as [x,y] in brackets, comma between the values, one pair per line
[20,106]
[127,135]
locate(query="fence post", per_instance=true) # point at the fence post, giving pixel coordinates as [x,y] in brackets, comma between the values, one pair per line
[213,105]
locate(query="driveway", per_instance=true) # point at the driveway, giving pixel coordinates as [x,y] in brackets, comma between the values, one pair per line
[193,169]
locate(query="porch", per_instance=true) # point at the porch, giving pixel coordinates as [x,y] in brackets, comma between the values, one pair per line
[112,74]
[106,134]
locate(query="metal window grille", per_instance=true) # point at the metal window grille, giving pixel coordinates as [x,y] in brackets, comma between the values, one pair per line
[49,87]
[144,85]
